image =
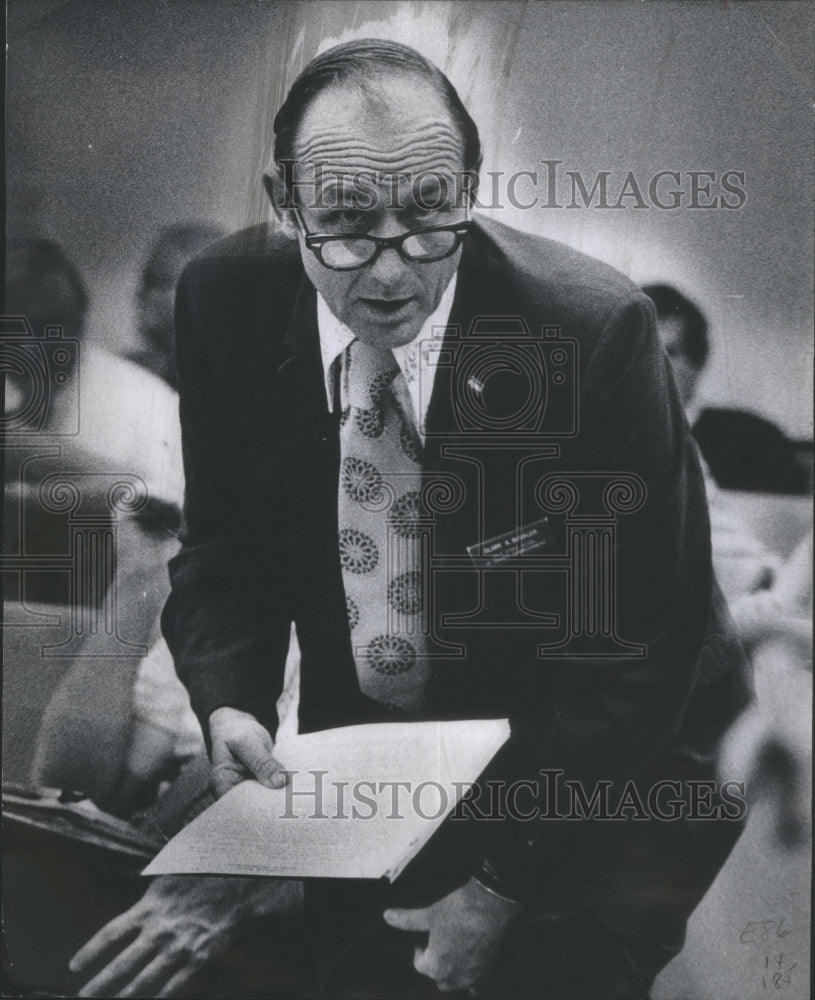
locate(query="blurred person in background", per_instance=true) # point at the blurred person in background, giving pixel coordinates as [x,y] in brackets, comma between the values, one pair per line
[154,342]
[43,285]
[684,332]
[771,743]
[743,450]
[122,731]
[44,338]
[771,602]
[743,564]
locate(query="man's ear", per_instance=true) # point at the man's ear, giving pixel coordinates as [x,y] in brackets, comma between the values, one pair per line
[280,198]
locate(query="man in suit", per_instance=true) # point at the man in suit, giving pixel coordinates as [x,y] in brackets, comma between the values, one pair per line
[318,428]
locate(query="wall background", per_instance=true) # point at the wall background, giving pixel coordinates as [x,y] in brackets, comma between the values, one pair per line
[124,116]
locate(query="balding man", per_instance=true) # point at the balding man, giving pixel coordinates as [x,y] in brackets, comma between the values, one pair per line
[319,430]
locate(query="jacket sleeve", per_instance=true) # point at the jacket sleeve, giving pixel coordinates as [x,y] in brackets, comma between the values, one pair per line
[596,721]
[227,620]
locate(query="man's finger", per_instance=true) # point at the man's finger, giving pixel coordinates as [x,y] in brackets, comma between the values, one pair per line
[154,975]
[225,776]
[271,774]
[131,961]
[408,920]
[173,985]
[253,748]
[112,933]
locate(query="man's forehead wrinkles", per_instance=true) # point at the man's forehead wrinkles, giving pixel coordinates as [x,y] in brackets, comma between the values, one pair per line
[439,134]
[317,150]
[448,161]
[353,163]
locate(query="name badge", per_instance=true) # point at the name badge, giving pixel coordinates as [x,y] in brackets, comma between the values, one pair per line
[529,538]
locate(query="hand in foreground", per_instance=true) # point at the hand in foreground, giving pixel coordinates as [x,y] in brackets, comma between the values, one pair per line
[241,749]
[466,928]
[178,926]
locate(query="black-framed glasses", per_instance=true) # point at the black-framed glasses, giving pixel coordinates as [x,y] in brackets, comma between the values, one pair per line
[342,252]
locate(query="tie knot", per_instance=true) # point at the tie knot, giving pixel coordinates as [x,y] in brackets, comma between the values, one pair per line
[369,372]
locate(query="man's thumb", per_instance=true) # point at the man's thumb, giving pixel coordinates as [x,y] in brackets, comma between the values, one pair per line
[255,751]
[271,774]
[408,920]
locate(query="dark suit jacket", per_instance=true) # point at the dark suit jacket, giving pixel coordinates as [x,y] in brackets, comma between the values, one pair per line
[260,549]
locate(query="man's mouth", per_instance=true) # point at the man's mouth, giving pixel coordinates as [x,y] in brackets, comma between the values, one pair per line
[387,307]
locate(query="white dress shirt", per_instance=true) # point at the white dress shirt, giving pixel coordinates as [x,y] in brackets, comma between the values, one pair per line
[417,360]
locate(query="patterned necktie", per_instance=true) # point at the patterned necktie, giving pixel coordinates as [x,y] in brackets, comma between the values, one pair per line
[379,536]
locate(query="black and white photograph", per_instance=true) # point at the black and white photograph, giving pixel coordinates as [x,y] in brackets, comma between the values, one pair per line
[408,472]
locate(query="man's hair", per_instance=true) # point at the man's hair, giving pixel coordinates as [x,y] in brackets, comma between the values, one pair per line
[670,302]
[43,283]
[361,62]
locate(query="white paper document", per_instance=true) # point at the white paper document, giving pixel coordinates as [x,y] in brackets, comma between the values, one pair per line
[361,802]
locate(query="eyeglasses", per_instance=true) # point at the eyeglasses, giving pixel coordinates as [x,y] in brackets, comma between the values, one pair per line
[341,252]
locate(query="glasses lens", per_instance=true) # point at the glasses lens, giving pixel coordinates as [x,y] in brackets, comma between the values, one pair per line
[347,253]
[430,245]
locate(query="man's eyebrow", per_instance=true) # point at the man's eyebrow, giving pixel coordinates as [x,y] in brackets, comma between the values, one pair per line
[336,196]
[432,184]
[423,206]
[335,211]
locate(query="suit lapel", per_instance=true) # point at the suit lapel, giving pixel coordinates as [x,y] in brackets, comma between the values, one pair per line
[475,296]
[311,431]
[302,335]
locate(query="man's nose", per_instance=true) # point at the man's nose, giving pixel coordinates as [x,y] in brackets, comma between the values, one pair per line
[388,269]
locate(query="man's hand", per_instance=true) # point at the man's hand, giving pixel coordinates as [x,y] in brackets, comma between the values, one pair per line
[466,928]
[241,749]
[176,928]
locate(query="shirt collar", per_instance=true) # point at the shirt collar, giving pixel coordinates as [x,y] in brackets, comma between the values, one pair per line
[336,337]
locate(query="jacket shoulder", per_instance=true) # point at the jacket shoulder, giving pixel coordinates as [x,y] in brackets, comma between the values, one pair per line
[246,253]
[556,284]
[240,289]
